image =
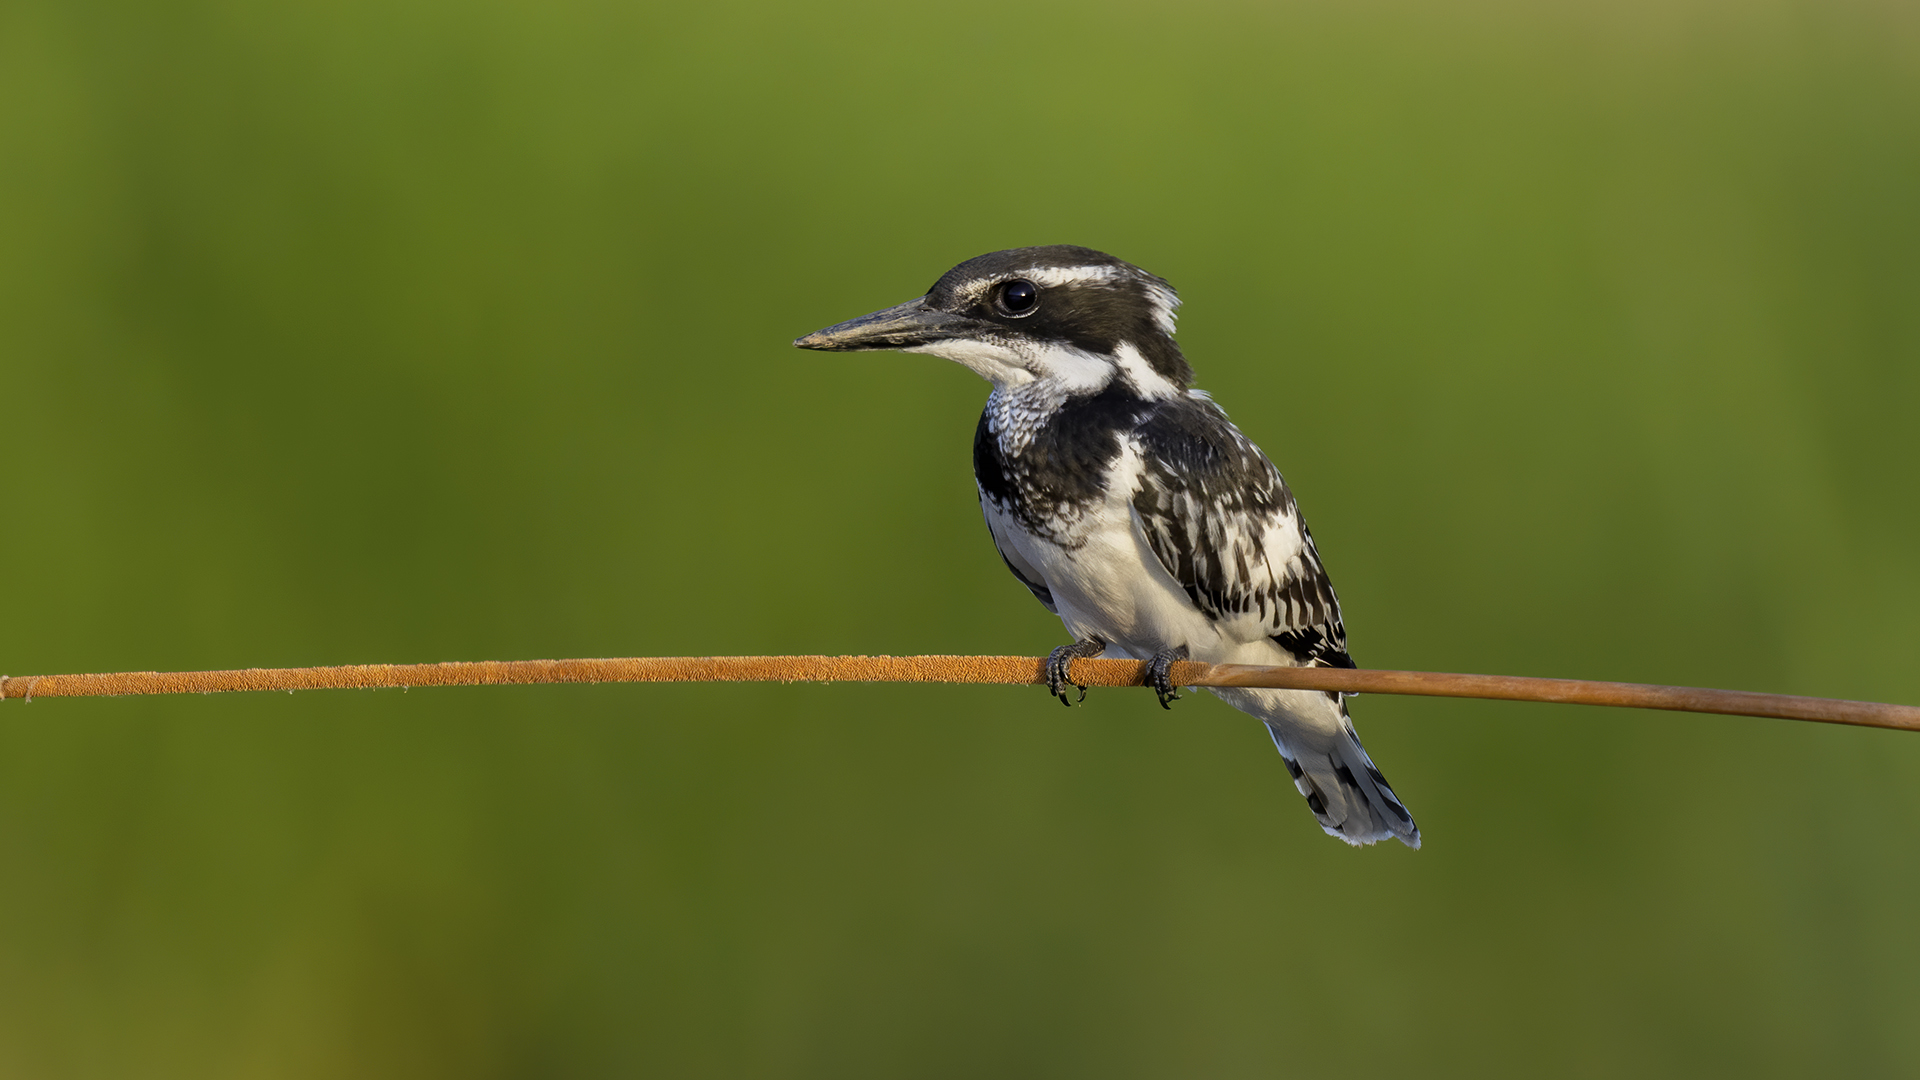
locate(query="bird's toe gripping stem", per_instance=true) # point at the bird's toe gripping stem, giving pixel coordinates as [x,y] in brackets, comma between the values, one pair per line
[1058,661]
[1160,674]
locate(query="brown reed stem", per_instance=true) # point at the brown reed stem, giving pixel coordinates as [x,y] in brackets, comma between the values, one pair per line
[1016,670]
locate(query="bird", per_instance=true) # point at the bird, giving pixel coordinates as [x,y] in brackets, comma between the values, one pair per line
[1131,507]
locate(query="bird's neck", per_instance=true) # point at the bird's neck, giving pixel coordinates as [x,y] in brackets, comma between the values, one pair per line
[1043,410]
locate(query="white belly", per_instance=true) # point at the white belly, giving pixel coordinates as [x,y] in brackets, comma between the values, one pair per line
[1113,587]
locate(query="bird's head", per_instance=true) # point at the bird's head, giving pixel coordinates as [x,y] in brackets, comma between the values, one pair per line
[1067,314]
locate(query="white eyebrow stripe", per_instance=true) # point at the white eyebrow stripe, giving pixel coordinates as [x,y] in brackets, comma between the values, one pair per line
[1164,300]
[1046,277]
[1070,275]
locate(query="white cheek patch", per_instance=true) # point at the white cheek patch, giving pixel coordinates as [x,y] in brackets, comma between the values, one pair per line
[1149,382]
[1073,370]
[992,361]
[1066,370]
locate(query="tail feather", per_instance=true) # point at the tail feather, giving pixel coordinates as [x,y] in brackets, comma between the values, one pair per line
[1342,786]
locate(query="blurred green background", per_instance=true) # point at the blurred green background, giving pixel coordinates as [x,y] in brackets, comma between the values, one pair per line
[1588,335]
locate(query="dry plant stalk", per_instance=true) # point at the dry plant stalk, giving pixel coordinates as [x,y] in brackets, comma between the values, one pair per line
[1013,670]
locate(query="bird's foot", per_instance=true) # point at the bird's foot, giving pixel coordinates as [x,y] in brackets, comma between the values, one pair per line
[1058,661]
[1160,674]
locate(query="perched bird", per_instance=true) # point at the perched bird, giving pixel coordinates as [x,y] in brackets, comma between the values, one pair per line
[1132,507]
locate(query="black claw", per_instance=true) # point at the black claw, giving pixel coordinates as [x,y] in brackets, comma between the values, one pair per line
[1057,677]
[1160,674]
[1059,660]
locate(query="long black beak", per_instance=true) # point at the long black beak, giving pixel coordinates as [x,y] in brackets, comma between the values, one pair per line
[899,327]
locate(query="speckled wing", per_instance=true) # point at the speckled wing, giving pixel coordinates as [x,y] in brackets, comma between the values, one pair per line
[1219,517]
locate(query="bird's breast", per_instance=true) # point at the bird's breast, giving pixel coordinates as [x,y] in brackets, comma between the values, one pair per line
[1053,470]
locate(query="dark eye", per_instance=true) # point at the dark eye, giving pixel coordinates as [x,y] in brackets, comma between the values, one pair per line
[1018,297]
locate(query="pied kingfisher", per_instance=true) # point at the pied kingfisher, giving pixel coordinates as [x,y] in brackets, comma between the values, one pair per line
[1130,505]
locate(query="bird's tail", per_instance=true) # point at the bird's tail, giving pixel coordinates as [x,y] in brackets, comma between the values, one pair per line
[1343,787]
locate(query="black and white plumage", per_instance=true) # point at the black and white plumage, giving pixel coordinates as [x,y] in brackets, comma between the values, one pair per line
[1132,507]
